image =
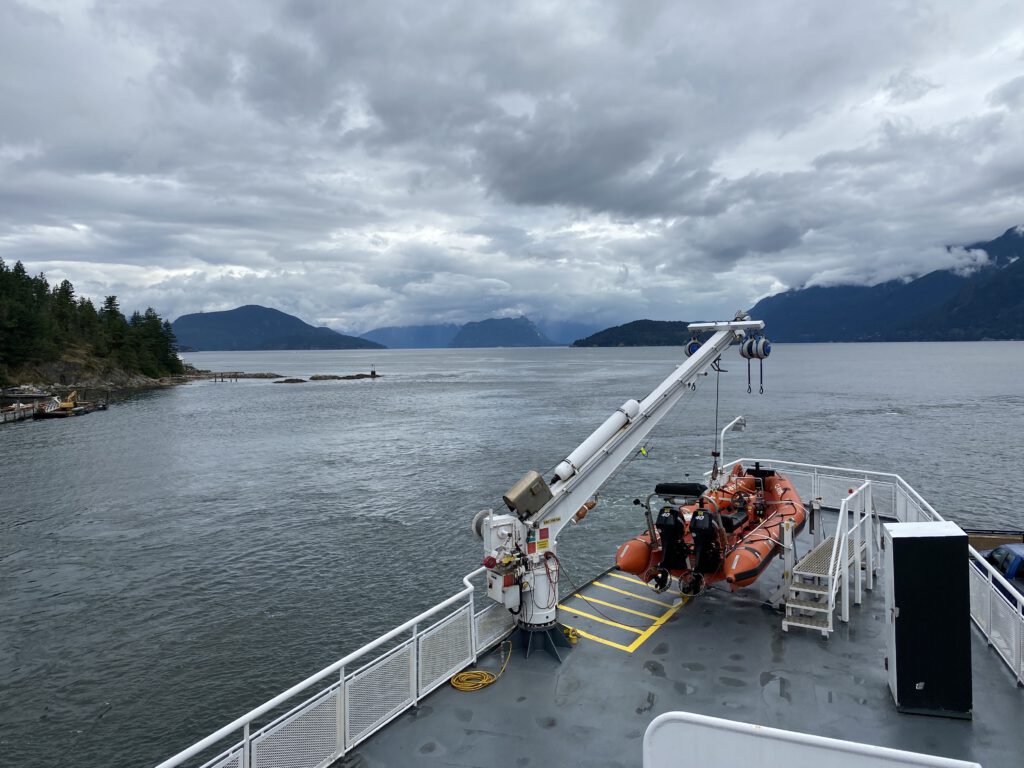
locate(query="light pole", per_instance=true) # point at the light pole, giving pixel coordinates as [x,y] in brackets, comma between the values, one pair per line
[736,425]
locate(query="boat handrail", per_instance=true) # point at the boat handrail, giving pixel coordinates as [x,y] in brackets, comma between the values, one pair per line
[243,723]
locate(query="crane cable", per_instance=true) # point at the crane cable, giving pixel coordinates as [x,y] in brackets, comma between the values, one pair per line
[478,679]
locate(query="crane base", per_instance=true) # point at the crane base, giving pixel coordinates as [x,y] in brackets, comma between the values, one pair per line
[549,638]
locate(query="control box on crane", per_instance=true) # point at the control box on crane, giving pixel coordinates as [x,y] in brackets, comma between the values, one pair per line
[503,559]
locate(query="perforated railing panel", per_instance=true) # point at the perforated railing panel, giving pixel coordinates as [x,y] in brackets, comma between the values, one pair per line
[379,691]
[444,650]
[492,624]
[1003,632]
[1020,648]
[303,740]
[979,598]
[833,489]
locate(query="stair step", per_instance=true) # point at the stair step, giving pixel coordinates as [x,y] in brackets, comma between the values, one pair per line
[816,562]
[806,621]
[806,605]
[818,589]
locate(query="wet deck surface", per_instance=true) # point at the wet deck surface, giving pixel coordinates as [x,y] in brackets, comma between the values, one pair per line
[722,655]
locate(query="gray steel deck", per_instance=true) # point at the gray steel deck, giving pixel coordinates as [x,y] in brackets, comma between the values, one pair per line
[722,655]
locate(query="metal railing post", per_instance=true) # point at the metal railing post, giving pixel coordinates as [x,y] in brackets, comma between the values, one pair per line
[1018,623]
[473,636]
[870,575]
[843,566]
[988,610]
[246,747]
[414,658]
[859,518]
[816,521]
[787,557]
[341,716]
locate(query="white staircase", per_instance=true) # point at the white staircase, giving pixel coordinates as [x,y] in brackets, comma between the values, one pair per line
[823,575]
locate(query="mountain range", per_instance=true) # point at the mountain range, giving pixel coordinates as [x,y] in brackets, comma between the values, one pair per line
[943,305]
[504,332]
[984,303]
[253,327]
[987,303]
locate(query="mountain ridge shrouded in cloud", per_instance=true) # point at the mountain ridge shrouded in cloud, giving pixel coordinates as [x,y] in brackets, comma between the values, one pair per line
[984,303]
[368,166]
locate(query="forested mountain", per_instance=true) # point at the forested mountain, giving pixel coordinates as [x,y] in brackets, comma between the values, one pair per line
[443,335]
[987,303]
[40,324]
[501,332]
[414,336]
[639,333]
[939,306]
[253,327]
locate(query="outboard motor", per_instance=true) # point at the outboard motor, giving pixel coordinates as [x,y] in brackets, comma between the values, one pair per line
[671,528]
[704,531]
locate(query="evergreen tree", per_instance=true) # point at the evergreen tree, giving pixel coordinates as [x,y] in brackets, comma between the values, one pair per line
[38,324]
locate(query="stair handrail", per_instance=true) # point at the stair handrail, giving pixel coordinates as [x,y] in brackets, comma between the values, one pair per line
[840,557]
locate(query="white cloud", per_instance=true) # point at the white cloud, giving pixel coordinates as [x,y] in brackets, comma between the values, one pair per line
[369,165]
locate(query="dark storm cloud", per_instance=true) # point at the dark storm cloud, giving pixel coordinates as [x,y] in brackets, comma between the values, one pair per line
[371,164]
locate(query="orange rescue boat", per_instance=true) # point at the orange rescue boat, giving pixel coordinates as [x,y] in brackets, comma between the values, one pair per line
[729,533]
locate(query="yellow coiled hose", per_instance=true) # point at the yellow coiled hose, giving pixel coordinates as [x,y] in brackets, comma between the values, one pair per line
[477,679]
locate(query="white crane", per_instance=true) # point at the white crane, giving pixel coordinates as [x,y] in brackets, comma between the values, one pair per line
[519,548]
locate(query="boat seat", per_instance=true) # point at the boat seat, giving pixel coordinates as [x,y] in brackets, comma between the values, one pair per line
[680,489]
[733,521]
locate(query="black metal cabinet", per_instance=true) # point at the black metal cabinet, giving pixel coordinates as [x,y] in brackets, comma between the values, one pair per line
[928,617]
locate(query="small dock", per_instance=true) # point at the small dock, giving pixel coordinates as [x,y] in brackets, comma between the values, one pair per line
[16,412]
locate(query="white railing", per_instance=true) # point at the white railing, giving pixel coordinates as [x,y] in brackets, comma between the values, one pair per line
[857,503]
[997,608]
[363,694]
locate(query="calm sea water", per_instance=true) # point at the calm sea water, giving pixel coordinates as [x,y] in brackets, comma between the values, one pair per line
[181,558]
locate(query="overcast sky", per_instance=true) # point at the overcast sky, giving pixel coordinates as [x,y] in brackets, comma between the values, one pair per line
[362,164]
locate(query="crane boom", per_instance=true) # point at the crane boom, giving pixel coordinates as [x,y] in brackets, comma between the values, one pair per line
[520,548]
[588,477]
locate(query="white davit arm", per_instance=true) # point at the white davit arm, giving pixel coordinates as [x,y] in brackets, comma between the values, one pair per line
[587,468]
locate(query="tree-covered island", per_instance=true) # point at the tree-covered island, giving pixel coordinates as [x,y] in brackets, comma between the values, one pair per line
[50,335]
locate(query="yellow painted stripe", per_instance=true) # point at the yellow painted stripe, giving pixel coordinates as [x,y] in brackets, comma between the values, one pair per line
[624,578]
[597,639]
[617,607]
[638,597]
[654,627]
[602,620]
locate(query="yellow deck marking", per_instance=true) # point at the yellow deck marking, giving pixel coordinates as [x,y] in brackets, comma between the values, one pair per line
[602,620]
[655,626]
[625,578]
[616,607]
[642,635]
[630,594]
[597,639]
